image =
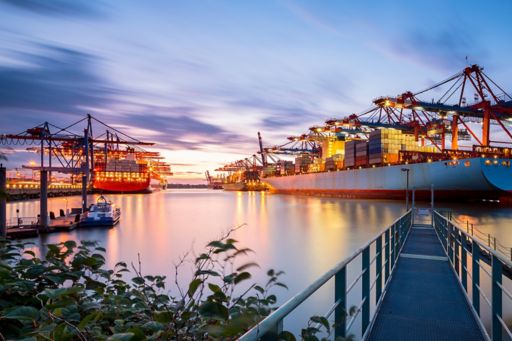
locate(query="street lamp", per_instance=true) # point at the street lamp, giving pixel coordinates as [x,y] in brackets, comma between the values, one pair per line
[406,188]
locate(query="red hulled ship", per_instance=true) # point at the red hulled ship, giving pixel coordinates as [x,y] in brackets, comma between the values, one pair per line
[129,171]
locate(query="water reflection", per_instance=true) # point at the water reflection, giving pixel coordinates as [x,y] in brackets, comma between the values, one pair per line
[305,236]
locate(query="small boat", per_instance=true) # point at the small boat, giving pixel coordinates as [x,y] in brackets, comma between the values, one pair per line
[103,213]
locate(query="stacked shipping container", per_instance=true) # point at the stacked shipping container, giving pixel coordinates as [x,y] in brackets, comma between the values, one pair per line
[361,153]
[350,153]
[385,146]
[302,163]
[122,166]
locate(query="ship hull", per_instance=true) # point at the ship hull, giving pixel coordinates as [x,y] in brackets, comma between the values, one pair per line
[468,179]
[121,187]
[242,186]
[237,186]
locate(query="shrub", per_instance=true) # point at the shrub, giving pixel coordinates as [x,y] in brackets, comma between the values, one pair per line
[70,295]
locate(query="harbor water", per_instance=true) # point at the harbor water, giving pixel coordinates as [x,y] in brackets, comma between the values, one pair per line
[304,236]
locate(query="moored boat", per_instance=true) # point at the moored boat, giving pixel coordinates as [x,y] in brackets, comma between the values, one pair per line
[103,214]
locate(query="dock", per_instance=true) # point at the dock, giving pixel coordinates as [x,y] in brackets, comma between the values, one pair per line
[422,278]
[29,227]
[424,300]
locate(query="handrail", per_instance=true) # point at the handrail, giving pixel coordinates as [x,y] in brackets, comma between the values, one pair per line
[21,221]
[501,257]
[397,232]
[482,236]
[456,243]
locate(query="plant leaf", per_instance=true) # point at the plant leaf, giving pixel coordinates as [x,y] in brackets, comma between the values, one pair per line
[23,313]
[242,277]
[192,287]
[121,337]
[246,266]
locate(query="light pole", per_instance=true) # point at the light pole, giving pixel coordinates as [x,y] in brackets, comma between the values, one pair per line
[406,188]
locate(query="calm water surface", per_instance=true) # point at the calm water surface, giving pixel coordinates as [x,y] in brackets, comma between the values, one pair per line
[304,236]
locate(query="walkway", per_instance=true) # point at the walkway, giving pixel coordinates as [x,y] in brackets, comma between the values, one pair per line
[424,299]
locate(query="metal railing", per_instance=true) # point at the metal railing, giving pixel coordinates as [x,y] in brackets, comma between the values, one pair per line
[388,245]
[460,245]
[21,221]
[485,238]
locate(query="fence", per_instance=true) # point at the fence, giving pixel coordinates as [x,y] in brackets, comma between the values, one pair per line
[388,245]
[22,221]
[485,238]
[460,245]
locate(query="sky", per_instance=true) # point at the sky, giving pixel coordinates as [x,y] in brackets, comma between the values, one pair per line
[201,78]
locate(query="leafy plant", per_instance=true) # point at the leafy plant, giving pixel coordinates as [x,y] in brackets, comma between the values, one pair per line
[70,295]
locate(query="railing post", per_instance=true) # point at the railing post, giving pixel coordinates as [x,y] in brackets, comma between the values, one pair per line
[476,275]
[456,250]
[432,203]
[386,255]
[392,246]
[272,333]
[340,294]
[365,318]
[496,298]
[378,269]
[464,261]
[398,237]
[449,242]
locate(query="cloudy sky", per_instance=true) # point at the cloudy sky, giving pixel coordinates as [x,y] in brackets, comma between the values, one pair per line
[201,78]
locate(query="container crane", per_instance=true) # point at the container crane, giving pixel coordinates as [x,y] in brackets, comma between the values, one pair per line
[62,150]
[488,107]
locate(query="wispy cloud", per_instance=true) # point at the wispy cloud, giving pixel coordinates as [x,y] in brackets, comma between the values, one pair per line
[443,48]
[54,79]
[75,8]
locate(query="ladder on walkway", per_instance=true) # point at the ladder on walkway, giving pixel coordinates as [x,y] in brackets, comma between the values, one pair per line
[419,279]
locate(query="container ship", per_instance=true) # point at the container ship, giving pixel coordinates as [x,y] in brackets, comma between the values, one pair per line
[401,145]
[484,175]
[241,175]
[213,183]
[129,171]
[244,181]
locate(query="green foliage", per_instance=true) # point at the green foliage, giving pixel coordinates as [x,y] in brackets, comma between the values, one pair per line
[70,295]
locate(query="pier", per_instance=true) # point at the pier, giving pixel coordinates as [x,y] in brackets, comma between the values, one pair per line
[33,190]
[422,278]
[86,158]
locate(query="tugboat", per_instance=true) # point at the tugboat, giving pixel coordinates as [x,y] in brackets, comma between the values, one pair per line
[103,214]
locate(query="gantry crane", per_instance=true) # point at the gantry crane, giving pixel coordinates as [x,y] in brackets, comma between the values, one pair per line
[487,107]
[79,154]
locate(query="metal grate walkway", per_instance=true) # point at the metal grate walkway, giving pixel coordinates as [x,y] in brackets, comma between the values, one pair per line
[424,300]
